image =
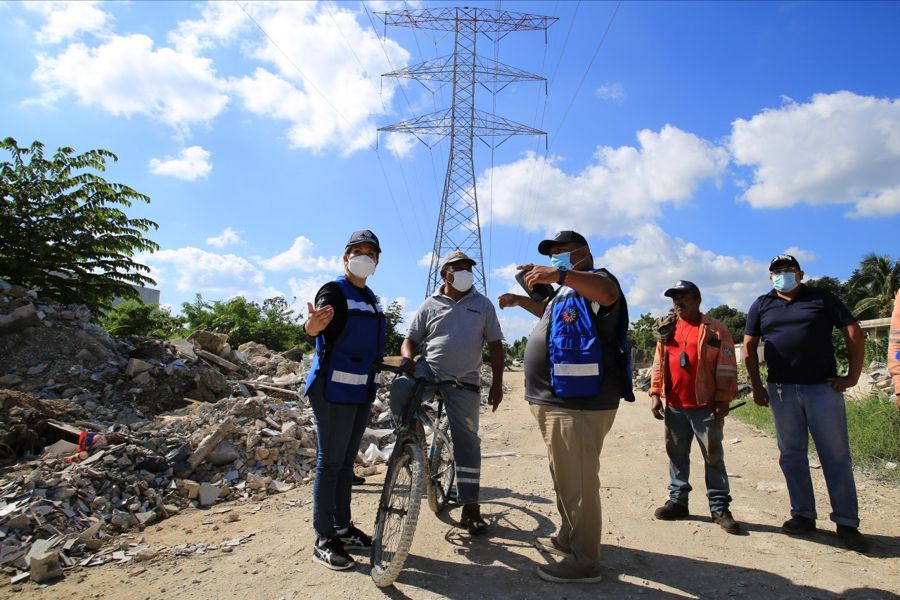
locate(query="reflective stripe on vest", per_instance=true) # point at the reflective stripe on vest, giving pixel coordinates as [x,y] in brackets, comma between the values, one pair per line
[349,378]
[571,370]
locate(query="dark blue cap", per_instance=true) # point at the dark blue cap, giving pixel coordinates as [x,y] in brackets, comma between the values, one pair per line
[561,237]
[785,260]
[364,236]
[683,285]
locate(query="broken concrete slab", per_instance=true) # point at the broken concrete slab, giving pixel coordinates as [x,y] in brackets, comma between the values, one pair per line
[209,493]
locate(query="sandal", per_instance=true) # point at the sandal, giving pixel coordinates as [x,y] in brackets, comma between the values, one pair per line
[471,520]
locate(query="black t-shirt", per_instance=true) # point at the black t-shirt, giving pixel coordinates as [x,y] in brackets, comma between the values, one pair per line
[330,295]
[538,389]
[797,334]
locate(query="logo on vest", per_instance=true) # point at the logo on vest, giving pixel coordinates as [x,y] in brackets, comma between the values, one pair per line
[570,315]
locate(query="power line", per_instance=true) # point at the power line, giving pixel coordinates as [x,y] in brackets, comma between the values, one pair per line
[306,79]
[588,70]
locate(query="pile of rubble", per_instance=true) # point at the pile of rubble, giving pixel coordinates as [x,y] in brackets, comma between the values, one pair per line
[102,436]
[874,379]
[237,448]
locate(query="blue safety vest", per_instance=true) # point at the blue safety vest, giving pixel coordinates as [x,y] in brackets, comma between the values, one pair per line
[347,366]
[575,349]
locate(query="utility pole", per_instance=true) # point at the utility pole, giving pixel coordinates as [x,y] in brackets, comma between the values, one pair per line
[459,227]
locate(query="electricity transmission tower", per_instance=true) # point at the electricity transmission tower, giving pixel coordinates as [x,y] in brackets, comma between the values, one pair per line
[458,226]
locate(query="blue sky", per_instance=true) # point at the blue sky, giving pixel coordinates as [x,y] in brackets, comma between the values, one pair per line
[702,140]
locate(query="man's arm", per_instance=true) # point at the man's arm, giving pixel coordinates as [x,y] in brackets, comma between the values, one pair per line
[726,373]
[495,396]
[593,286]
[657,380]
[408,349]
[751,361]
[535,308]
[856,350]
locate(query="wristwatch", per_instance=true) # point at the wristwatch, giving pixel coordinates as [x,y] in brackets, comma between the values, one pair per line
[562,276]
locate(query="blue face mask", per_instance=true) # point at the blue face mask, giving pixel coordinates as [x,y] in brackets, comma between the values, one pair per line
[562,261]
[785,282]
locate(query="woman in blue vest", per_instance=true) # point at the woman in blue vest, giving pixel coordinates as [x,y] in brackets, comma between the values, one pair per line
[349,327]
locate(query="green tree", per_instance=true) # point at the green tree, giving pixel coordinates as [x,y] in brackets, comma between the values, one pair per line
[732,318]
[62,228]
[133,317]
[642,339]
[272,324]
[393,339]
[875,284]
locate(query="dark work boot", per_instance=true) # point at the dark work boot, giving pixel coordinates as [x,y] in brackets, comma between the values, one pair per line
[726,521]
[671,511]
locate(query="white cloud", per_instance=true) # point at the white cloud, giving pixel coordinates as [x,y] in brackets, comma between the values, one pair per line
[654,261]
[624,187]
[64,20]
[802,256]
[426,259]
[612,92]
[401,144]
[323,77]
[194,270]
[219,23]
[228,236]
[300,257]
[839,148]
[126,76]
[507,275]
[304,291]
[192,162]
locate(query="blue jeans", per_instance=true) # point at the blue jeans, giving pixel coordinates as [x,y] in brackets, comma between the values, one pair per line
[339,430]
[462,407]
[820,410]
[682,426]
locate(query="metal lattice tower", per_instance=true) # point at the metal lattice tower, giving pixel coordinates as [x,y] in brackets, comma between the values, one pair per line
[459,227]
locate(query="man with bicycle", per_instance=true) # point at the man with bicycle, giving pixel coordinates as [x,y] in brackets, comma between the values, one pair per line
[450,329]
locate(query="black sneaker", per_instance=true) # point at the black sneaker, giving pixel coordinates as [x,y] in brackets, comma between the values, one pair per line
[798,525]
[330,552]
[726,521]
[853,539]
[354,539]
[358,479]
[671,511]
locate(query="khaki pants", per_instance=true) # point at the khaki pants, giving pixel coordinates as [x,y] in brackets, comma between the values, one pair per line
[574,440]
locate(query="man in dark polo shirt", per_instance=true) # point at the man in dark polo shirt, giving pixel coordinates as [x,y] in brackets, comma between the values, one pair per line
[805,392]
[574,399]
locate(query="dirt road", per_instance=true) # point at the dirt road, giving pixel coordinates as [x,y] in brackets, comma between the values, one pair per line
[645,558]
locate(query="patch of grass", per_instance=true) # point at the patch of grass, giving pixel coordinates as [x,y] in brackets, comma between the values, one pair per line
[873,424]
[758,416]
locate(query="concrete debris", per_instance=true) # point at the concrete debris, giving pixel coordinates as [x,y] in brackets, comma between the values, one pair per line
[100,436]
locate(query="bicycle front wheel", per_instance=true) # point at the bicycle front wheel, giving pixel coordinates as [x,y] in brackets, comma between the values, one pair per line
[441,467]
[398,513]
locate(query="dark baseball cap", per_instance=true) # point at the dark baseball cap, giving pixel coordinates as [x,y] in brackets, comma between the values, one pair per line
[682,285]
[785,260]
[561,237]
[364,237]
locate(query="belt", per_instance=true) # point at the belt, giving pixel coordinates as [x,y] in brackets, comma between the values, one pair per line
[465,386]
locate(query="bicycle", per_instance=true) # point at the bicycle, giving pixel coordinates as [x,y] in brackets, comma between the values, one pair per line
[408,472]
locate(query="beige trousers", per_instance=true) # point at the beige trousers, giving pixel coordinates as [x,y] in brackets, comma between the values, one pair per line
[574,440]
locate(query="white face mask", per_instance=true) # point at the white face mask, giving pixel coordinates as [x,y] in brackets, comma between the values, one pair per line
[361,266]
[462,281]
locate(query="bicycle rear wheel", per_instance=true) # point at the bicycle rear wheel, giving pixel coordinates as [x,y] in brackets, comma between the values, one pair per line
[441,467]
[398,513]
